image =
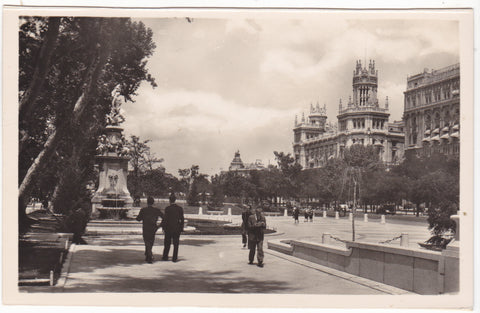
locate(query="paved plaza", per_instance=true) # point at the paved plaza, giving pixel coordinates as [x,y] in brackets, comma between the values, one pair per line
[210,264]
[218,264]
[372,231]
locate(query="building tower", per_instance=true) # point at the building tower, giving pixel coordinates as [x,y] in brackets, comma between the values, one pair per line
[318,116]
[237,163]
[363,120]
[365,85]
[307,130]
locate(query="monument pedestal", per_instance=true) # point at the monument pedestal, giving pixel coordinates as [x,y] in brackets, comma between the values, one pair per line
[112,193]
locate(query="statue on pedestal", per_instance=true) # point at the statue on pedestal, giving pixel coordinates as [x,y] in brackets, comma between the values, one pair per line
[112,159]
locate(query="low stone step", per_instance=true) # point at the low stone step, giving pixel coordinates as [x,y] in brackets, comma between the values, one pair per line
[95,231]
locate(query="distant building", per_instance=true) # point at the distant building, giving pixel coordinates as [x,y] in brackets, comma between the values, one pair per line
[432,112]
[361,121]
[239,167]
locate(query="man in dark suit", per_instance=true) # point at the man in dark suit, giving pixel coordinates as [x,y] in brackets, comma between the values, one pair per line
[245,214]
[149,216]
[173,223]
[256,226]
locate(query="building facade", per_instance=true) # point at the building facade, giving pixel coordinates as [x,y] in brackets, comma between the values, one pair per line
[432,112]
[244,169]
[361,121]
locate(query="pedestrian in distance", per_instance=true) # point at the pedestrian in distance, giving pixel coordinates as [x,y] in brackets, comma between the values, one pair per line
[76,223]
[173,224]
[149,217]
[305,214]
[245,215]
[256,226]
[310,214]
[296,212]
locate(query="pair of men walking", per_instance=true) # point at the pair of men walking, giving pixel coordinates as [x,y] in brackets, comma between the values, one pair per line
[254,224]
[172,223]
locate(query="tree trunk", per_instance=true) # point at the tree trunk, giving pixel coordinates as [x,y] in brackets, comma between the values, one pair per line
[50,146]
[37,165]
[31,94]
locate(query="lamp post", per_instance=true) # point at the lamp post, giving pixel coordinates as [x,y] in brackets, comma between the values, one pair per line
[354,206]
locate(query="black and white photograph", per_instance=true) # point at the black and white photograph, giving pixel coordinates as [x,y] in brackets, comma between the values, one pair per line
[216,154]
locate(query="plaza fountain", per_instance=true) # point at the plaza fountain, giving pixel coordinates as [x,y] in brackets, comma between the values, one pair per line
[112,198]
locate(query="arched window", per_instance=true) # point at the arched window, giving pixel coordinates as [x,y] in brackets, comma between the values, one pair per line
[428,121]
[437,120]
[414,130]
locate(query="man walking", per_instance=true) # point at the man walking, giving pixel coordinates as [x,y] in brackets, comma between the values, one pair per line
[173,223]
[256,226]
[149,215]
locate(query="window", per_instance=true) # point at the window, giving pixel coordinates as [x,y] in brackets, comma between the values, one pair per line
[428,97]
[437,120]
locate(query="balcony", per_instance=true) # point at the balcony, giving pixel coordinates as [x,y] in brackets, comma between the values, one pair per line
[432,104]
[357,109]
[323,137]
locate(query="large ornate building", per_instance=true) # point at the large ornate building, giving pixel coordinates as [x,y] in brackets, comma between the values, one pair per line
[241,168]
[432,112]
[361,121]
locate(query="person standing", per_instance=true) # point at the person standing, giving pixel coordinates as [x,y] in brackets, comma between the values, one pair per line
[256,226]
[296,212]
[173,224]
[76,223]
[149,216]
[245,215]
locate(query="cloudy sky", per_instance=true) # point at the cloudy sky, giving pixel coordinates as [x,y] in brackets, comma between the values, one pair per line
[228,84]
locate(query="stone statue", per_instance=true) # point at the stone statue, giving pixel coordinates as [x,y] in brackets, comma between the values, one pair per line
[111,144]
[113,181]
[115,117]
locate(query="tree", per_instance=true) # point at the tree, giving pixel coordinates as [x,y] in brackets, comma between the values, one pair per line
[236,185]
[151,160]
[191,178]
[139,152]
[218,194]
[290,170]
[440,191]
[65,81]
[357,164]
[432,180]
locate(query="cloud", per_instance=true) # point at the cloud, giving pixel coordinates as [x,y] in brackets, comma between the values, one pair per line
[192,125]
[228,84]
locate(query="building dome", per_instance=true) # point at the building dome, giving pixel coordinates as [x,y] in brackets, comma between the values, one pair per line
[236,163]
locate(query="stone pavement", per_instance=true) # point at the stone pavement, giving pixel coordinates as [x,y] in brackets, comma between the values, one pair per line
[114,262]
[207,264]
[372,231]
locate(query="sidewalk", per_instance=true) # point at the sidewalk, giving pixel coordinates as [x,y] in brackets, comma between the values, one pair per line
[207,264]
